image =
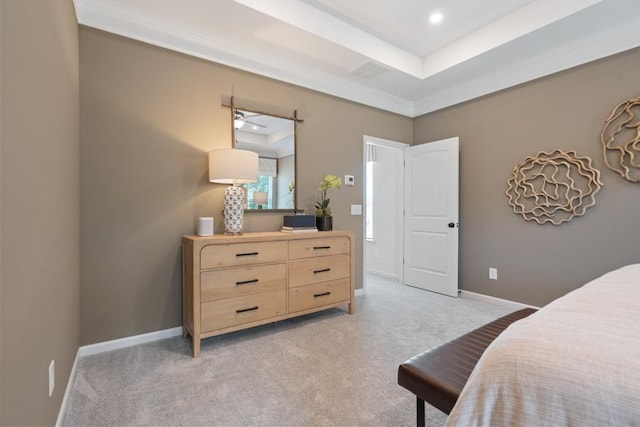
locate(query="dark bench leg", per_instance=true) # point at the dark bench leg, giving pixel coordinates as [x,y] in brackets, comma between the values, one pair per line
[420,412]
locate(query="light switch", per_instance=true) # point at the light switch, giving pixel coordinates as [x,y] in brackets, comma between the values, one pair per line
[356,209]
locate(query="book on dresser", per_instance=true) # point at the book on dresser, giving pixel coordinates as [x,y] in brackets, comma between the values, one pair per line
[286,229]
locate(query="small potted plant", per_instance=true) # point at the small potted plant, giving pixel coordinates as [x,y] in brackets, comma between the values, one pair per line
[324,220]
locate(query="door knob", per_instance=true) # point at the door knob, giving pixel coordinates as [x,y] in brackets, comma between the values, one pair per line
[451,225]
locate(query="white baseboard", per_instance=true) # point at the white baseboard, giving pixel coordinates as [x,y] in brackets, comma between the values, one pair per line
[494,300]
[101,347]
[67,391]
[359,292]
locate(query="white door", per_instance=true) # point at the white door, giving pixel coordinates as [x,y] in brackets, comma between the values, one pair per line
[431,216]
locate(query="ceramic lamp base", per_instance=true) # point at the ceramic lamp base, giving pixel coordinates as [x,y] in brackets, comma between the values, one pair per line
[234,201]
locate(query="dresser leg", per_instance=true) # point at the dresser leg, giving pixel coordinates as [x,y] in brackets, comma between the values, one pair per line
[195,347]
[352,308]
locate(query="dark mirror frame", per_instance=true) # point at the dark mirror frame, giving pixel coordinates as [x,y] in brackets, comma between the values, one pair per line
[250,112]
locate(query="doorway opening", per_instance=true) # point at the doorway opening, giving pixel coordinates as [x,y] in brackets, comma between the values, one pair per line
[383,208]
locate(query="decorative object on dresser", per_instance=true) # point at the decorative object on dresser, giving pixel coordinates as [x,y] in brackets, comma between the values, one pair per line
[324,220]
[234,283]
[553,187]
[299,220]
[299,224]
[231,166]
[620,138]
[205,226]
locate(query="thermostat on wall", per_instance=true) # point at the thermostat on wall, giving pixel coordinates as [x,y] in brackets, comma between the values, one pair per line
[349,180]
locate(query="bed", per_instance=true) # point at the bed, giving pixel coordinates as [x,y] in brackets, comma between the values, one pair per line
[575,362]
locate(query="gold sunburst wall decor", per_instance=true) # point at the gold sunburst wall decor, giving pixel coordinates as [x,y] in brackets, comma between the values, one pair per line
[553,187]
[620,138]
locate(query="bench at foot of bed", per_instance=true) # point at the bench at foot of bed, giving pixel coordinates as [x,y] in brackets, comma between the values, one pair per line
[437,376]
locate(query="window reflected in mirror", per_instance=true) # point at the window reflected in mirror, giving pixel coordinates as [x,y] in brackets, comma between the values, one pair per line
[273,139]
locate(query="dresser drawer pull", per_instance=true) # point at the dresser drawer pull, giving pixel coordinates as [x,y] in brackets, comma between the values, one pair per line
[321,247]
[248,254]
[242,310]
[324,294]
[246,282]
[324,270]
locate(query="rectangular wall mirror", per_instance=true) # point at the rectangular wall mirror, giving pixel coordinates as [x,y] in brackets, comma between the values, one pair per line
[273,138]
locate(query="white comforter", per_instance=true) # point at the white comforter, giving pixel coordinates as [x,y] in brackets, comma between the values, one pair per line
[575,362]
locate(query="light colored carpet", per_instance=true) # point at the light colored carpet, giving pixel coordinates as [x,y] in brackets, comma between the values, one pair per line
[325,369]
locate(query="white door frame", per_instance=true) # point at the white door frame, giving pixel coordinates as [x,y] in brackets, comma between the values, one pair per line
[389,144]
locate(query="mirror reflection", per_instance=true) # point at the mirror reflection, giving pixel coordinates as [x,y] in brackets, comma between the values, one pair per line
[273,139]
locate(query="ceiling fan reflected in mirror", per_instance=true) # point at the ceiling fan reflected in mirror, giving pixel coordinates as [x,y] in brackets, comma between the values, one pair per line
[239,119]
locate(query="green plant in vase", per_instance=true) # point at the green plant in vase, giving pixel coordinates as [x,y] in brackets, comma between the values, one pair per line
[324,220]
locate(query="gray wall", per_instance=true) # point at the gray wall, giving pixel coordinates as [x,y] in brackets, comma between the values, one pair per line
[567,111]
[148,118]
[39,176]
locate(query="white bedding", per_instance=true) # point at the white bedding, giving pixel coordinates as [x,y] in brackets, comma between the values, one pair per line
[575,362]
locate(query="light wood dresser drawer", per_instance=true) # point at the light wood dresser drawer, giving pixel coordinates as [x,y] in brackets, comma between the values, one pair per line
[308,248]
[230,283]
[236,311]
[321,269]
[238,281]
[318,294]
[235,254]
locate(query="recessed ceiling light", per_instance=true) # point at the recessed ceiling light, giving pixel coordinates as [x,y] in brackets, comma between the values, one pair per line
[436,18]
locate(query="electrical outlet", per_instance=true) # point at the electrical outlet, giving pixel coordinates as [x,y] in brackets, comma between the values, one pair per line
[52,377]
[493,273]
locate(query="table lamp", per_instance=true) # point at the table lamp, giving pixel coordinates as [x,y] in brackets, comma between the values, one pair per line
[260,198]
[236,167]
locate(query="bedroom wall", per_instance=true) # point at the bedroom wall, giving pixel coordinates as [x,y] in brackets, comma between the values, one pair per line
[535,263]
[148,118]
[39,176]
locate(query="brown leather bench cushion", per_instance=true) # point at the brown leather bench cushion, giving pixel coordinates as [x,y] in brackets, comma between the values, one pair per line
[437,376]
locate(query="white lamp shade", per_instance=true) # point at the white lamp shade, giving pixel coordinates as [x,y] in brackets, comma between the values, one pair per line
[260,197]
[231,166]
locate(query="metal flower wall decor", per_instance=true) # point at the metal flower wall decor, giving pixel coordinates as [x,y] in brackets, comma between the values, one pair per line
[553,187]
[620,138]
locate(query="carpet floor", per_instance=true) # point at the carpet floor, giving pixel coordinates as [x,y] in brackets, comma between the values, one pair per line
[324,369]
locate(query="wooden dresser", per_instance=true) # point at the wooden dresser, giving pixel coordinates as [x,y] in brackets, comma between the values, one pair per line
[236,282]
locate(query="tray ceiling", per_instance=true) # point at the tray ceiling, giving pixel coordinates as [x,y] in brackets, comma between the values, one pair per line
[383,53]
